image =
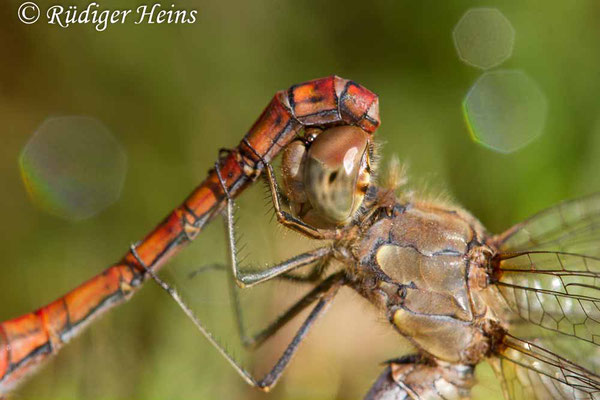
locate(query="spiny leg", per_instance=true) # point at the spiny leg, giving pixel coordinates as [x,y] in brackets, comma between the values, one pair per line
[247,279]
[315,274]
[291,222]
[317,292]
[256,340]
[244,280]
[326,293]
[190,314]
[285,218]
[320,254]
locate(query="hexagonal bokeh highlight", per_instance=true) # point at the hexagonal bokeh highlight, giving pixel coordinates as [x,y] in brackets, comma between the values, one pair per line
[505,110]
[72,167]
[484,38]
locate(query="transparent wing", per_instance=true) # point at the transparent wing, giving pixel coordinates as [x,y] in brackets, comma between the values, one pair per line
[548,268]
[548,272]
[571,226]
[528,371]
[553,290]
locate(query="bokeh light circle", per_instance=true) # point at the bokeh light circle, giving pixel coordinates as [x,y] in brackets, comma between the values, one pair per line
[72,167]
[505,110]
[484,38]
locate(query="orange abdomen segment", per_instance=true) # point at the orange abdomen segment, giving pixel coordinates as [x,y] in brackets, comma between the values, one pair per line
[26,341]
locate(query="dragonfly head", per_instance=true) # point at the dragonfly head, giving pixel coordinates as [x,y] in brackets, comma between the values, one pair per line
[326,174]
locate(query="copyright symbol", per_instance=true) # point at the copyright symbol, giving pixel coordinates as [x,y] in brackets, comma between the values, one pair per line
[29,12]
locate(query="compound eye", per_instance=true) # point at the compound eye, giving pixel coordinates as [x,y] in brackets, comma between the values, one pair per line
[335,164]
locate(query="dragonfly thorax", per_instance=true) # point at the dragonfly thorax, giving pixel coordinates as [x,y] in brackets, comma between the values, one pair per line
[420,255]
[327,174]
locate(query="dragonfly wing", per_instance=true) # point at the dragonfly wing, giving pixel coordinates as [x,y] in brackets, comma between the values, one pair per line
[553,290]
[571,226]
[547,269]
[528,371]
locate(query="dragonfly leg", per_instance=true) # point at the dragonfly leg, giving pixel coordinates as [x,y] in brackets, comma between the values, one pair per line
[413,377]
[261,336]
[256,340]
[248,279]
[288,220]
[283,217]
[326,293]
[315,274]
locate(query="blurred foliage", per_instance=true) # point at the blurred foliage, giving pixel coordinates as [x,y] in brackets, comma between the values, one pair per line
[174,94]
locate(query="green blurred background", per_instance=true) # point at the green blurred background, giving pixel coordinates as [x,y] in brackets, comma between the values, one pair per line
[173,95]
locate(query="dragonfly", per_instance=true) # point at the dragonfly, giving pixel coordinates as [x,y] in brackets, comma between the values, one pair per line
[525,300]
[28,341]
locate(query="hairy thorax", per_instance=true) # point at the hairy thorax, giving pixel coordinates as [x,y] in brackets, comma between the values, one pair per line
[424,265]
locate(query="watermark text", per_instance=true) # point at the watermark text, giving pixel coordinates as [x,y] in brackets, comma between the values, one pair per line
[101,18]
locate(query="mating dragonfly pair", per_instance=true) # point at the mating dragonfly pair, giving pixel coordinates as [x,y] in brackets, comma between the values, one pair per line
[526,301]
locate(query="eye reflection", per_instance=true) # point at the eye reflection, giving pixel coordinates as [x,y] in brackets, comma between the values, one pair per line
[350,159]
